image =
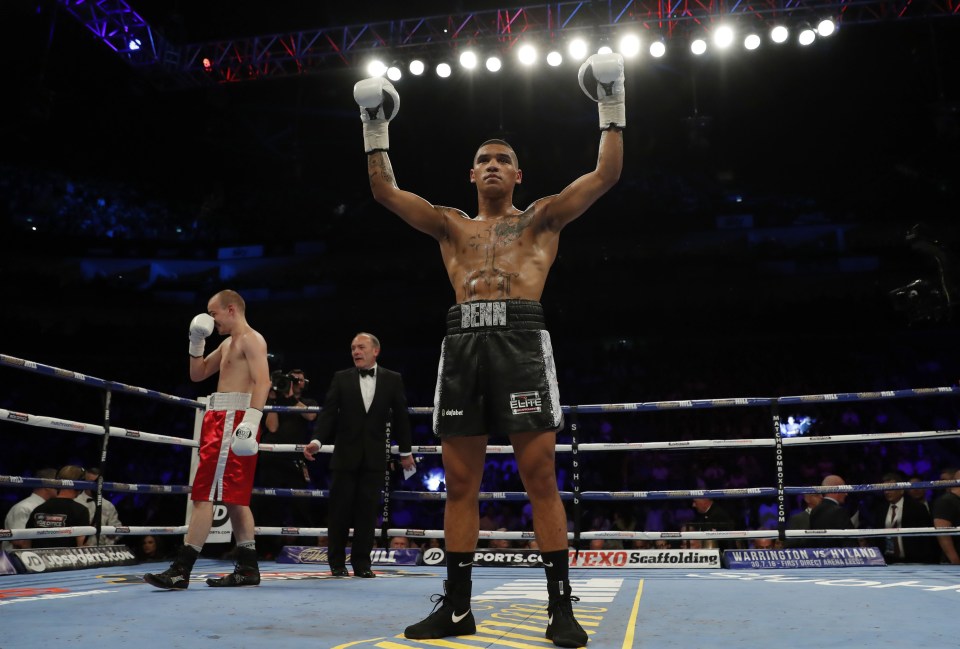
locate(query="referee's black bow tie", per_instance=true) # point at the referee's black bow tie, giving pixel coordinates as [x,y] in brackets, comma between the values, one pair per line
[371,372]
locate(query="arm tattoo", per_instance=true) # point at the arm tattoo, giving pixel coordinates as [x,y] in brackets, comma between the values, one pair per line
[378,165]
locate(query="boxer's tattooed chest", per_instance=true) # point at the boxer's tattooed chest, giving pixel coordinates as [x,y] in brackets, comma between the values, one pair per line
[492,240]
[497,256]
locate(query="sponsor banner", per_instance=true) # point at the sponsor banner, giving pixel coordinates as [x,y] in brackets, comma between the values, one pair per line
[507,557]
[803,558]
[686,559]
[53,559]
[6,566]
[221,531]
[378,557]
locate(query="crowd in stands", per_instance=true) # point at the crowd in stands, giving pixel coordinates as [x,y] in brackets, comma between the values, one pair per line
[62,205]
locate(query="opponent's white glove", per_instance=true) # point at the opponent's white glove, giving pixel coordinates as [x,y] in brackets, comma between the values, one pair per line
[200,327]
[244,440]
[379,103]
[601,77]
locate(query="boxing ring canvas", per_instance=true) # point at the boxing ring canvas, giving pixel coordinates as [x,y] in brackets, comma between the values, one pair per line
[303,607]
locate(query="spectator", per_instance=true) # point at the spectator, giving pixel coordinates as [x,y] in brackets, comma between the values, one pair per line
[59,512]
[898,510]
[284,470]
[108,511]
[920,495]
[151,549]
[801,520]
[946,513]
[830,515]
[16,518]
[711,517]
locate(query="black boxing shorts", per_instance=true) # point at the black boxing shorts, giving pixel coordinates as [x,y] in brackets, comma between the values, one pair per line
[497,375]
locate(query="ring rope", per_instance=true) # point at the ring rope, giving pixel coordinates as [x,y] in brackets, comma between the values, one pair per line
[109,386]
[77,377]
[705,535]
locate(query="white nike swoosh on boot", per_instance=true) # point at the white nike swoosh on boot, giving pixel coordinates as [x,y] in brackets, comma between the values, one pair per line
[550,621]
[464,565]
[548,565]
[456,618]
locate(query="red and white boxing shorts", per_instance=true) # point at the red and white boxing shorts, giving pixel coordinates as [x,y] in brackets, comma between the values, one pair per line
[221,475]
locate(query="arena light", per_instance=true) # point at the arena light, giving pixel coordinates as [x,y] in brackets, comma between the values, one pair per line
[394,73]
[417,67]
[376,68]
[577,49]
[494,64]
[630,45]
[605,49]
[433,479]
[698,47]
[134,44]
[779,34]
[751,42]
[554,58]
[826,27]
[527,54]
[657,49]
[807,36]
[468,59]
[443,70]
[723,37]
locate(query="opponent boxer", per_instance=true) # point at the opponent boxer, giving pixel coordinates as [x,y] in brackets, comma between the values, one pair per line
[228,440]
[497,371]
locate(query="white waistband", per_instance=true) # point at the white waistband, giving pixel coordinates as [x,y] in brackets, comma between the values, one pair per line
[229,401]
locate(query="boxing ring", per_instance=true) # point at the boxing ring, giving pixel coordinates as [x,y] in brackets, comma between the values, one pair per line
[620,606]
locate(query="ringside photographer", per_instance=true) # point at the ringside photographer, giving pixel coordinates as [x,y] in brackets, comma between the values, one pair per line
[284,470]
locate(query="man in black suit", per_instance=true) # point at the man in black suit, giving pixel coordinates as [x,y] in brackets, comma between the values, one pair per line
[801,520]
[358,406]
[897,510]
[830,515]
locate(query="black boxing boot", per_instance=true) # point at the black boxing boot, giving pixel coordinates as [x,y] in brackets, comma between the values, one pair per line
[562,626]
[177,576]
[451,614]
[246,572]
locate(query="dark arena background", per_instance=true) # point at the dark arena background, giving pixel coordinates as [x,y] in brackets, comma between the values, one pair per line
[785,225]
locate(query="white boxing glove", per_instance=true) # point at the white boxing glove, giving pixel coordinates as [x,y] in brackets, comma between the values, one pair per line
[601,77]
[244,440]
[200,327]
[379,103]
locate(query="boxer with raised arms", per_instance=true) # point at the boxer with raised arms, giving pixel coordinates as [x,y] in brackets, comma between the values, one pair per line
[497,373]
